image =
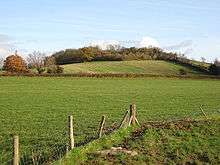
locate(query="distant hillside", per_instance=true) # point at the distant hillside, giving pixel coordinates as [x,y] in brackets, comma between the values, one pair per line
[152,67]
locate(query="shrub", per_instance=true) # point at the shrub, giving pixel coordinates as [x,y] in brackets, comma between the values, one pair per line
[55,69]
[182,72]
[59,69]
[40,70]
[15,64]
[214,69]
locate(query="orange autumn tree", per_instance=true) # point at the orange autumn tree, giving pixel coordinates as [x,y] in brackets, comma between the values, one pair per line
[15,64]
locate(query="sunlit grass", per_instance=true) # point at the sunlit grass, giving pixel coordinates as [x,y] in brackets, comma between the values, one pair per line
[37,108]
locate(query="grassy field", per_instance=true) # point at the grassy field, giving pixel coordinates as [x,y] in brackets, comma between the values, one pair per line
[37,108]
[144,67]
[180,142]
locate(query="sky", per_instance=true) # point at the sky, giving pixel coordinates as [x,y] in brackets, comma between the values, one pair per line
[189,27]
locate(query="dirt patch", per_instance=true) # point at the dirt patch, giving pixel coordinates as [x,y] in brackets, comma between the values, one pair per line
[116,150]
[185,124]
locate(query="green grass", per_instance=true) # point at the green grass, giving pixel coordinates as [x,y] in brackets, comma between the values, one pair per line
[138,67]
[36,108]
[185,142]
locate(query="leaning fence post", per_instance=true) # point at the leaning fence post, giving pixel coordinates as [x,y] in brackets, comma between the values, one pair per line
[124,119]
[101,126]
[203,112]
[16,159]
[71,138]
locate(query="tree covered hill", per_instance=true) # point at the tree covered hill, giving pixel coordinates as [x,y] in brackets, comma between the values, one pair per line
[89,54]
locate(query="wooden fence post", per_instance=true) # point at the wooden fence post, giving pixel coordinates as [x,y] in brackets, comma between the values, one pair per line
[124,119]
[133,118]
[71,138]
[203,113]
[101,126]
[16,159]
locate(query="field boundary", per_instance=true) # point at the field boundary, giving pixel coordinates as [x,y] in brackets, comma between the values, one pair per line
[93,146]
[112,75]
[129,119]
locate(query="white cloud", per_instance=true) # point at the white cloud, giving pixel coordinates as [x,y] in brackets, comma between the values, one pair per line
[6,45]
[102,44]
[148,42]
[3,50]
[145,42]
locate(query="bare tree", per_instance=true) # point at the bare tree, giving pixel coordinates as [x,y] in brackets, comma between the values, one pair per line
[203,59]
[1,63]
[37,60]
[217,62]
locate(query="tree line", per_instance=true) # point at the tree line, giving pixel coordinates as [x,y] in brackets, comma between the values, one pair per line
[36,60]
[87,54]
[51,64]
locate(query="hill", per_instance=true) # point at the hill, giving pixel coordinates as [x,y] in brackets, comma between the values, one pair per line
[151,67]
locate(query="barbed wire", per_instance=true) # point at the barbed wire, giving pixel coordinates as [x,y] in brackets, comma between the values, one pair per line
[38,149]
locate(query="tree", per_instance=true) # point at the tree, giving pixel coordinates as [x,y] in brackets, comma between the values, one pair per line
[203,59]
[1,63]
[37,60]
[215,68]
[50,61]
[217,62]
[15,64]
[52,67]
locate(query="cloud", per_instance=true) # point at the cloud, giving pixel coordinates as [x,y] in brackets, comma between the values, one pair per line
[6,45]
[148,42]
[102,44]
[145,42]
[185,5]
[184,47]
[182,44]
[4,38]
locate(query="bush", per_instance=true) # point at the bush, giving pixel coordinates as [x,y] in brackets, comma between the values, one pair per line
[182,72]
[214,69]
[40,70]
[55,69]
[59,69]
[15,64]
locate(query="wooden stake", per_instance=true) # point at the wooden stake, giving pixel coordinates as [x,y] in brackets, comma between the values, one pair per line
[71,138]
[137,122]
[101,126]
[133,119]
[16,159]
[132,114]
[124,119]
[34,159]
[203,113]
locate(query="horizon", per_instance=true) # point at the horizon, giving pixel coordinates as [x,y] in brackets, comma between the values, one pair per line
[184,27]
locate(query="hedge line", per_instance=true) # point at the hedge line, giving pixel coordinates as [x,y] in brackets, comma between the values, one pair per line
[103,75]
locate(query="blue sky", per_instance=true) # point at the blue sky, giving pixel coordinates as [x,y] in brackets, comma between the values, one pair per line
[191,27]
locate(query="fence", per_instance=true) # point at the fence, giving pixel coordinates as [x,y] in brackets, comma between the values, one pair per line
[37,157]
